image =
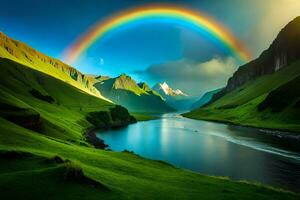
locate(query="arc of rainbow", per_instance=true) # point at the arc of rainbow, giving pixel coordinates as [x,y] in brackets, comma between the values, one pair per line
[100,29]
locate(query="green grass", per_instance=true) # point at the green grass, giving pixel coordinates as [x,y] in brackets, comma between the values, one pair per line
[241,105]
[86,172]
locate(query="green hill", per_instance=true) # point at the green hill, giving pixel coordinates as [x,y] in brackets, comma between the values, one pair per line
[264,92]
[135,97]
[24,54]
[58,107]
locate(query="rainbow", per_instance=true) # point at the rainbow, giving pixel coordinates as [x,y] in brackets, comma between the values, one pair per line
[205,24]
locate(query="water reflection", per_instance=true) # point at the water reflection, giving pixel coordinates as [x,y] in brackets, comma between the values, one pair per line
[211,148]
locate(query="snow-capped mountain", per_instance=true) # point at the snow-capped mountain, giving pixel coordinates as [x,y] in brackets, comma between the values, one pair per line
[165,90]
[174,97]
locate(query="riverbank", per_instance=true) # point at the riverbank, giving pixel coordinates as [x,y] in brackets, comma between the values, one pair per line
[275,129]
[100,144]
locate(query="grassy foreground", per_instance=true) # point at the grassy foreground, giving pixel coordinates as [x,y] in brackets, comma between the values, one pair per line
[115,175]
[52,160]
[241,106]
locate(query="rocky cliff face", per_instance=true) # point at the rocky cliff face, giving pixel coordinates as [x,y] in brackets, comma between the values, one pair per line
[284,50]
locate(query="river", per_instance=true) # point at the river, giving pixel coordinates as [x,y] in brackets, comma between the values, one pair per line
[240,153]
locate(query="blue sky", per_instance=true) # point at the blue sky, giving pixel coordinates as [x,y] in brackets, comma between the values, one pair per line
[51,26]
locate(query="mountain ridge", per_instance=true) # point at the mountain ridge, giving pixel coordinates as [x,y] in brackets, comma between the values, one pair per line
[137,97]
[28,56]
[205,98]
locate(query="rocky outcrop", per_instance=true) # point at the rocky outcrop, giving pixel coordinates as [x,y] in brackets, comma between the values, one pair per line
[114,118]
[284,50]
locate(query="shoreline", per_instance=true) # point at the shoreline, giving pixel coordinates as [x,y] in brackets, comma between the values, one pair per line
[91,137]
[281,133]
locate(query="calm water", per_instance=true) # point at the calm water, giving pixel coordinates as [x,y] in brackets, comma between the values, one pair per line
[212,148]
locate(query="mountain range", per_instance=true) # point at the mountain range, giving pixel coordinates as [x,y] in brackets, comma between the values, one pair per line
[265,91]
[135,97]
[121,90]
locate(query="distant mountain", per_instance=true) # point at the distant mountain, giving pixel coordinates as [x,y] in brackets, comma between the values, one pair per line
[174,97]
[264,92]
[165,90]
[205,98]
[26,55]
[125,91]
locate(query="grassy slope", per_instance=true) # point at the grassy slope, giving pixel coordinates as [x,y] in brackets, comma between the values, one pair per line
[123,175]
[240,105]
[65,117]
[24,54]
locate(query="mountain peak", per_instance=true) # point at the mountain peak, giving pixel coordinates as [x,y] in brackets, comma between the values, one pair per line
[165,90]
[126,82]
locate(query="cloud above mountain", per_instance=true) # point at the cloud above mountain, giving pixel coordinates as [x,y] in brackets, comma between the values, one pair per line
[183,74]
